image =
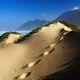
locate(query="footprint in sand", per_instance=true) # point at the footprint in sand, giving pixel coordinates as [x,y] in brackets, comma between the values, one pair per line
[51,50]
[46,53]
[33,63]
[24,75]
[61,38]
[30,64]
[52,45]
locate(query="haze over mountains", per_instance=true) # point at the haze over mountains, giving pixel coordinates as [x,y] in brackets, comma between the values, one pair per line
[72,16]
[28,25]
[31,24]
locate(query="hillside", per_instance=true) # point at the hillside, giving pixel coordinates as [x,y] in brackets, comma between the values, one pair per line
[50,52]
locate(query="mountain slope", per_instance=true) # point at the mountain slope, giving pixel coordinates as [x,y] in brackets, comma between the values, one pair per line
[72,16]
[29,25]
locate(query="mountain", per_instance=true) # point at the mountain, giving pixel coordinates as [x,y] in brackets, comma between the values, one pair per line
[29,25]
[50,52]
[72,16]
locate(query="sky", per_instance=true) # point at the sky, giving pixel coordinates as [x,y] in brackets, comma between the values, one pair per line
[14,13]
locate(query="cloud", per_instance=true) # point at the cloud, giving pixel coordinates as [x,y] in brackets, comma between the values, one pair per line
[43,14]
[76,8]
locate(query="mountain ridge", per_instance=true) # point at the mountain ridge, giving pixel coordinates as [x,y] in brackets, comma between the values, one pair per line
[71,16]
[31,24]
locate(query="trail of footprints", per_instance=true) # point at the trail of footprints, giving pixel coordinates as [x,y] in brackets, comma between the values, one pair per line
[25,75]
[51,46]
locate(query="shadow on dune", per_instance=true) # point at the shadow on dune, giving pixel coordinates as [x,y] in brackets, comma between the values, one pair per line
[73,71]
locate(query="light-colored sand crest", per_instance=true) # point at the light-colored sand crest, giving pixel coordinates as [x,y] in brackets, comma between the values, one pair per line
[56,27]
[9,39]
[53,29]
[12,38]
[50,33]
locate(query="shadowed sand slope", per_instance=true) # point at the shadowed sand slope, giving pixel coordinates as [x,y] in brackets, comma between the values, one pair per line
[61,62]
[45,55]
[70,50]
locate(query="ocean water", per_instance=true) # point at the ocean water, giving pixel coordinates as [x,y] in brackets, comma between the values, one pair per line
[22,32]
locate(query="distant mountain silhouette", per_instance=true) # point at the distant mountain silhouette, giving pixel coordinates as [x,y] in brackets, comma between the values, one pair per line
[72,16]
[32,24]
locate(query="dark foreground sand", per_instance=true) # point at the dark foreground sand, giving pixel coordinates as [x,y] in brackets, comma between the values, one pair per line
[62,63]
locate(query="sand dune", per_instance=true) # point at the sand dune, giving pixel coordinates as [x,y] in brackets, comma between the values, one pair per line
[42,54]
[9,38]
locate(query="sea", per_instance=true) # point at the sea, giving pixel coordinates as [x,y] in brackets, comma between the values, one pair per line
[22,32]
